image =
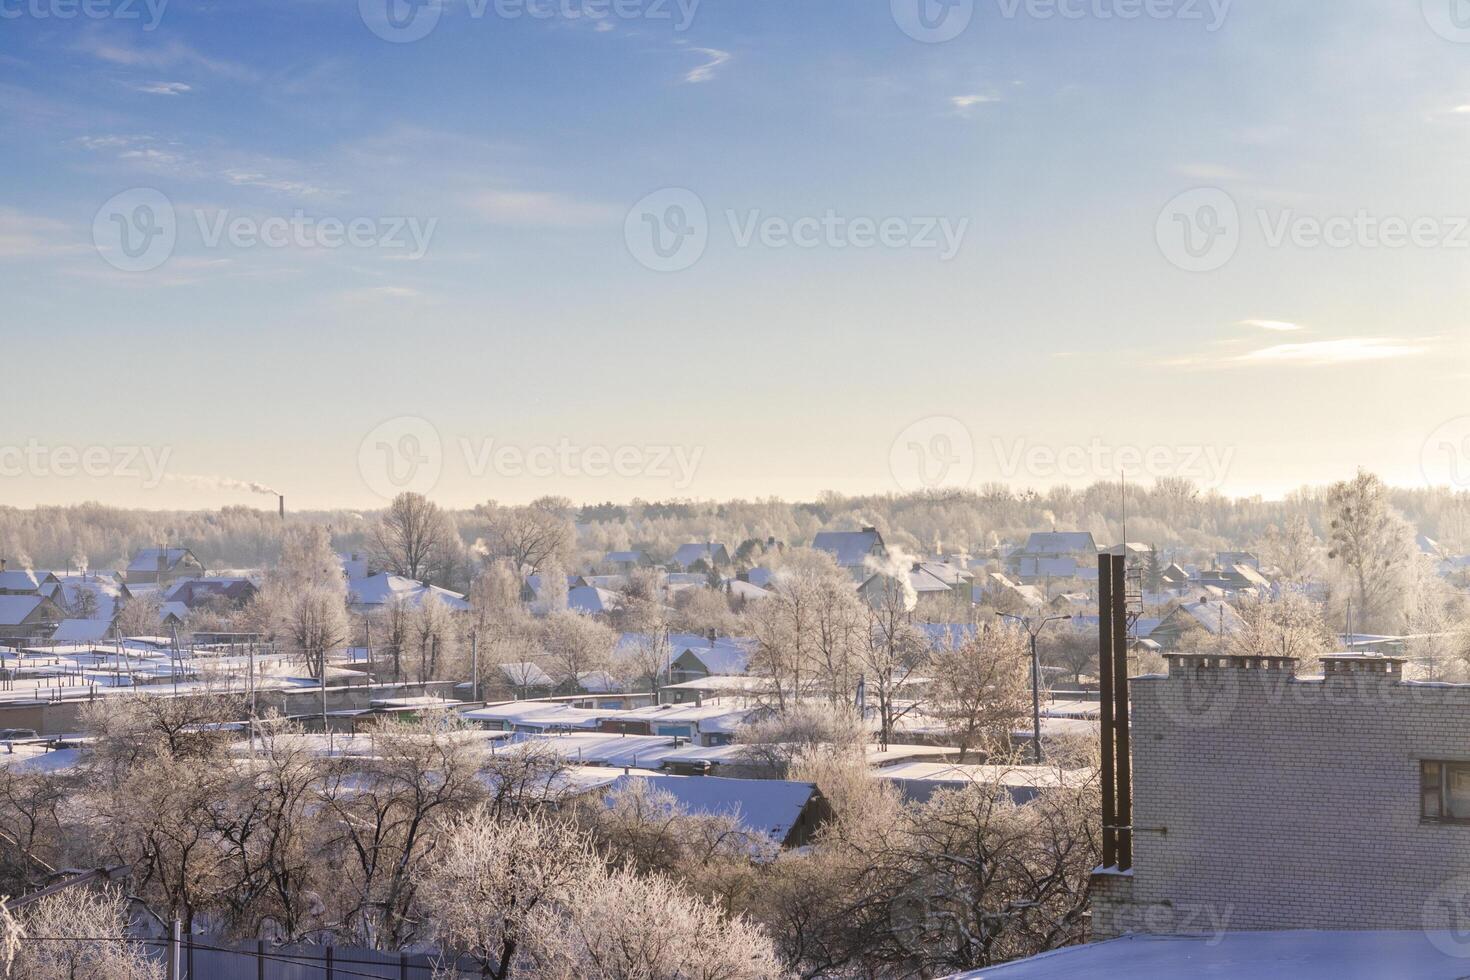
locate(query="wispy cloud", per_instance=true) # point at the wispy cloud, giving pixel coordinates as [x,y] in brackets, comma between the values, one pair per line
[963,103]
[115,49]
[1306,354]
[539,208]
[29,236]
[706,71]
[1325,353]
[1281,326]
[171,158]
[164,88]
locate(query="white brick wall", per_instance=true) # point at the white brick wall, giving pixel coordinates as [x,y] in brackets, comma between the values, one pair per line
[1266,802]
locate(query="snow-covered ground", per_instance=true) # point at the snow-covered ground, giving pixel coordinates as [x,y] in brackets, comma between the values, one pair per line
[1252,955]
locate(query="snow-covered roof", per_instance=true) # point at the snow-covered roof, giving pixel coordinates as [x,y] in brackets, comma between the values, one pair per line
[1216,617]
[15,608]
[709,553]
[81,630]
[727,655]
[525,674]
[951,575]
[597,748]
[712,716]
[19,580]
[380,589]
[745,590]
[1060,543]
[591,600]
[630,557]
[1301,955]
[919,780]
[760,576]
[598,682]
[147,559]
[106,593]
[850,548]
[768,806]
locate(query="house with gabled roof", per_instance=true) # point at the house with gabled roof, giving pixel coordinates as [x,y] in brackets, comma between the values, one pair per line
[383,589]
[160,566]
[712,553]
[626,561]
[853,550]
[29,616]
[1216,617]
[20,581]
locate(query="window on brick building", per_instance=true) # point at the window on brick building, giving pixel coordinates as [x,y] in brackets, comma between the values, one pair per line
[1444,791]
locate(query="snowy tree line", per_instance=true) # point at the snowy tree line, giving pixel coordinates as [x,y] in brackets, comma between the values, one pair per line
[425,839]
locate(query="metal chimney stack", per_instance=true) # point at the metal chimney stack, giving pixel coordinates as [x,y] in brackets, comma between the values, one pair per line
[281,499]
[1112,669]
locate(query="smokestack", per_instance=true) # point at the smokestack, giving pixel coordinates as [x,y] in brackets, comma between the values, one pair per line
[1112,668]
[281,498]
[1123,802]
[1105,708]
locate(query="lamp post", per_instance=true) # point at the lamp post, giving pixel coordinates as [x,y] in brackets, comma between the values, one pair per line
[1033,632]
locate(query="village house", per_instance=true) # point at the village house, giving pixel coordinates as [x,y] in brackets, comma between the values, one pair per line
[381,590]
[162,566]
[694,657]
[853,550]
[28,617]
[626,561]
[1215,617]
[1055,554]
[713,554]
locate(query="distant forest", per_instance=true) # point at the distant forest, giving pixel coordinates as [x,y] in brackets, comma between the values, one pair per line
[1183,522]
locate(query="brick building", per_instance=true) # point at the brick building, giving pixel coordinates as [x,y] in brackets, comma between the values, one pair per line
[1264,801]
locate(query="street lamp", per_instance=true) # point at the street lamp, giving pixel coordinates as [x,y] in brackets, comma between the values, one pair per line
[1033,633]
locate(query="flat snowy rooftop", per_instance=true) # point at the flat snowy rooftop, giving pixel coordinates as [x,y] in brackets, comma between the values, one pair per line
[1256,955]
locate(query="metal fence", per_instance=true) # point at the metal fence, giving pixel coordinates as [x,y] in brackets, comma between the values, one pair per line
[201,958]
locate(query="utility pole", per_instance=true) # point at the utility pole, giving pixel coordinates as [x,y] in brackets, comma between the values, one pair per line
[174,972]
[474,665]
[1033,633]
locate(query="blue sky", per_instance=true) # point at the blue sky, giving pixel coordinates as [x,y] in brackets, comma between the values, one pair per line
[1051,146]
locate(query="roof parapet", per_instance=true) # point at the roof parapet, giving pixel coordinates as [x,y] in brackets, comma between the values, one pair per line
[1182,663]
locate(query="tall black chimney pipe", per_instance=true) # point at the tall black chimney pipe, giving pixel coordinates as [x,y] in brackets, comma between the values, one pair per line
[1123,802]
[1105,707]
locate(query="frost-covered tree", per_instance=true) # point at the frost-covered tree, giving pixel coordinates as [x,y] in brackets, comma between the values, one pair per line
[529,537]
[74,933]
[414,538]
[1373,545]
[981,689]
